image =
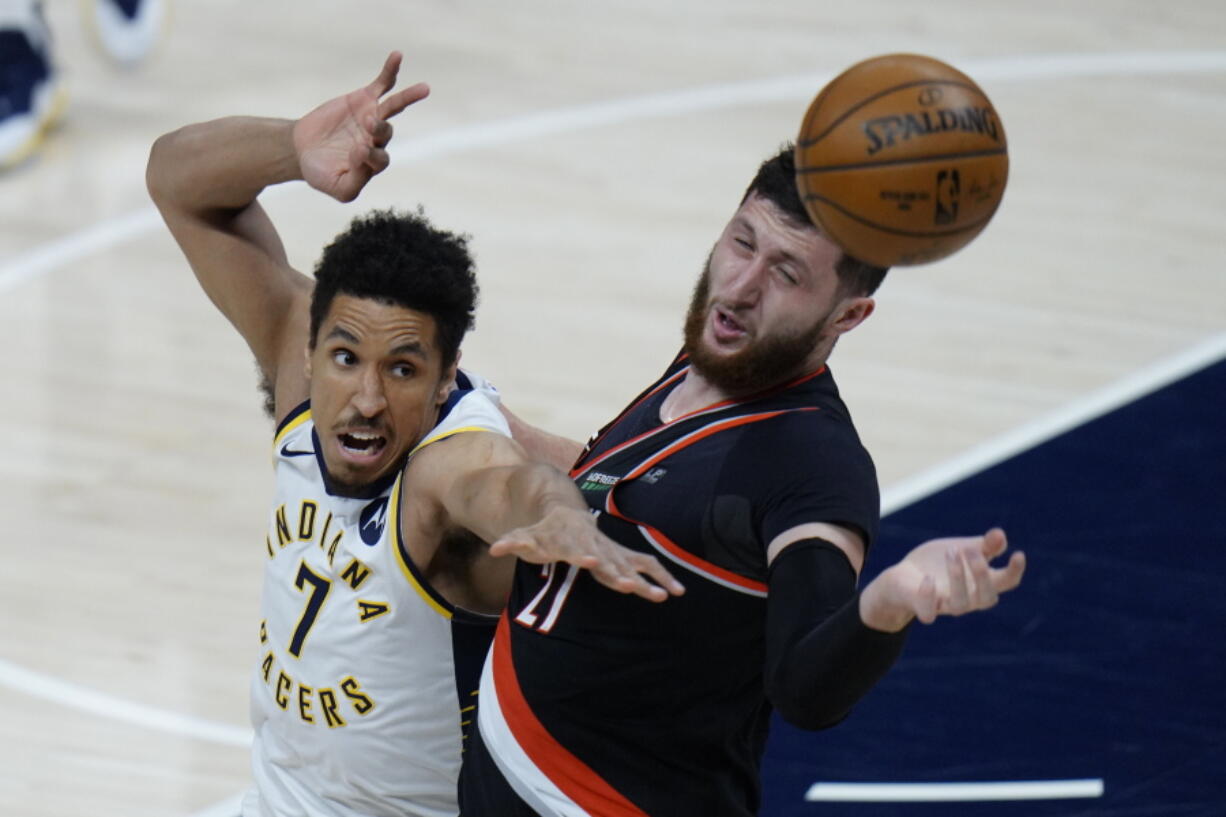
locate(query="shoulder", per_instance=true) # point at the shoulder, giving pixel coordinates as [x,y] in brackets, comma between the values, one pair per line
[804,467]
[466,410]
[471,433]
[806,440]
[443,469]
[292,438]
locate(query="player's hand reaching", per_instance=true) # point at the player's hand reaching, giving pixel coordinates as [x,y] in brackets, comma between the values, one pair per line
[942,577]
[343,143]
[570,535]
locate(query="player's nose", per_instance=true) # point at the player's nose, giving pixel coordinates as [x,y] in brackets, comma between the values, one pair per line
[370,399]
[744,287]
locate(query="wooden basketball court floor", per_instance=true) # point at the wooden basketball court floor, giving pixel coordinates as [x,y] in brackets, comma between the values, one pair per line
[593,151]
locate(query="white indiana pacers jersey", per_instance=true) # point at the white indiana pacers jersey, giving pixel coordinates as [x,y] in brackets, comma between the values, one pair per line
[365,674]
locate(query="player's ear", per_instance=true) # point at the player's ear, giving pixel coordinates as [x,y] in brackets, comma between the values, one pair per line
[446,383]
[306,354]
[852,312]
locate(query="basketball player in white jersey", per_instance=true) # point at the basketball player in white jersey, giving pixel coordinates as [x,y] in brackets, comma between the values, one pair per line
[378,600]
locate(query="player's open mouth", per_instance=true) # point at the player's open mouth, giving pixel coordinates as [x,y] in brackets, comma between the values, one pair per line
[362,445]
[726,327]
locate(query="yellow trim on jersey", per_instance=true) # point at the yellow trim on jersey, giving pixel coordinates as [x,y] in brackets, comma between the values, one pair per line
[294,423]
[399,549]
[447,434]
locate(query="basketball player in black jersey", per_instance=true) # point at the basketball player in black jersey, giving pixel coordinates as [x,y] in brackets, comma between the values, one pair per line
[742,466]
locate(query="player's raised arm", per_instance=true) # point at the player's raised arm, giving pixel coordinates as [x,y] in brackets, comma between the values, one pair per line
[486,484]
[205,179]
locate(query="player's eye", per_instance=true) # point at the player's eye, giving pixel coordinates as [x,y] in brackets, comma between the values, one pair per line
[403,370]
[344,357]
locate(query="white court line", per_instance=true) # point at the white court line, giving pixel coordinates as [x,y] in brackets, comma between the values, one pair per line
[75,246]
[62,252]
[1118,394]
[953,792]
[64,693]
[978,459]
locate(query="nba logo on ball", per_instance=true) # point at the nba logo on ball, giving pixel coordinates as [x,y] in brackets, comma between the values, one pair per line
[948,184]
[901,160]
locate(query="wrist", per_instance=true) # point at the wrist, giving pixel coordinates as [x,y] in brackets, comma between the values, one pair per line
[290,149]
[250,153]
[878,612]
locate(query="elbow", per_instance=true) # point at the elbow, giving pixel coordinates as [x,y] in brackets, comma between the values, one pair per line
[813,716]
[805,703]
[811,723]
[159,171]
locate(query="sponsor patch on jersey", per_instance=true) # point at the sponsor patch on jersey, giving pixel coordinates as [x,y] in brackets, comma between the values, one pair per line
[594,481]
[286,451]
[373,520]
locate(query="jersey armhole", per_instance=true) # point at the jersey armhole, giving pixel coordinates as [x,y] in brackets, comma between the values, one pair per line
[296,417]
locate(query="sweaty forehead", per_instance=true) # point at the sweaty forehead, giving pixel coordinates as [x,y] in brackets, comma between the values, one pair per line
[379,324]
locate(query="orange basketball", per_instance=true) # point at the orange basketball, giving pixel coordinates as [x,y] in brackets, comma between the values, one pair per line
[901,160]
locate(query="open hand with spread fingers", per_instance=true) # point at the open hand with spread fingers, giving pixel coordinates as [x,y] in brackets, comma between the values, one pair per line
[942,577]
[343,143]
[570,535]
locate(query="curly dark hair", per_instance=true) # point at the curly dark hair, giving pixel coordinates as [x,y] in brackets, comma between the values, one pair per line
[776,182]
[402,259]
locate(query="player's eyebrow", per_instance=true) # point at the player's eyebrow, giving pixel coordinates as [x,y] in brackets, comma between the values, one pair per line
[742,221]
[411,348]
[343,334]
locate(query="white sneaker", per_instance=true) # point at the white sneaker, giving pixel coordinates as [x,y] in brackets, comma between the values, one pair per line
[127,30]
[31,96]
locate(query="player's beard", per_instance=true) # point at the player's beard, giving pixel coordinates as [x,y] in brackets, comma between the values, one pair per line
[768,360]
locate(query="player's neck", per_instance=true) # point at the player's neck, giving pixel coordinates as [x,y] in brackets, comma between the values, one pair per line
[693,393]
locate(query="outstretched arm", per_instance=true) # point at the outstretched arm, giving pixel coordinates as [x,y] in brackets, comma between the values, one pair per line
[205,179]
[485,483]
[828,645]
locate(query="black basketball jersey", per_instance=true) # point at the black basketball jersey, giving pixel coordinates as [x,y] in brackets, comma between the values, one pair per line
[600,703]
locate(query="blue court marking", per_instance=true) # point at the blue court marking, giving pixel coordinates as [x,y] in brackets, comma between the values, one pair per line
[1107,664]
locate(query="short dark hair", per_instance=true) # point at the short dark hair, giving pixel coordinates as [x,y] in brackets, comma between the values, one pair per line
[776,182]
[400,258]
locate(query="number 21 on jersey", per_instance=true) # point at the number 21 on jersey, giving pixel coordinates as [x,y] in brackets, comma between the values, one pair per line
[559,578]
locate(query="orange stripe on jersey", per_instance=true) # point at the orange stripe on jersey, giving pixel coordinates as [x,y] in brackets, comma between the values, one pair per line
[657,538]
[584,465]
[581,465]
[703,433]
[803,378]
[682,555]
[570,774]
